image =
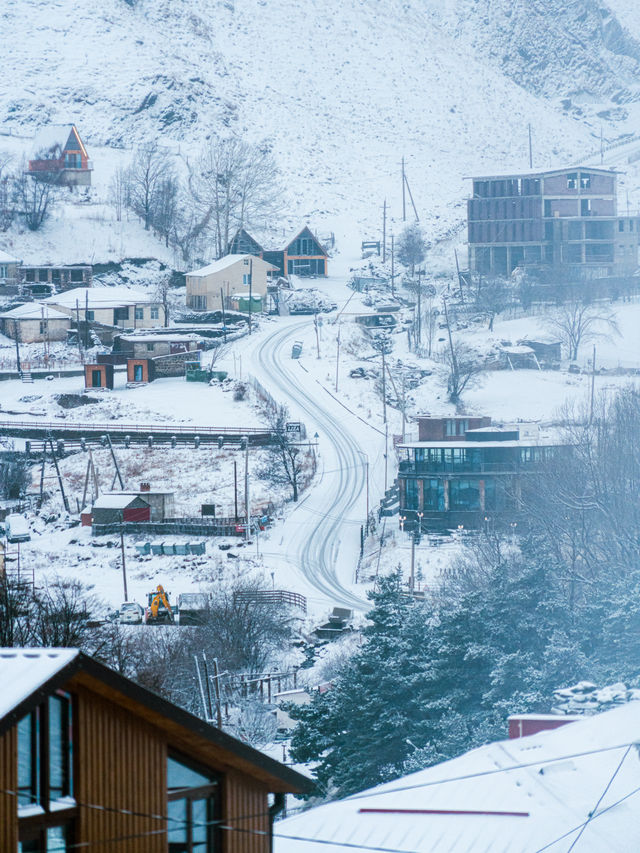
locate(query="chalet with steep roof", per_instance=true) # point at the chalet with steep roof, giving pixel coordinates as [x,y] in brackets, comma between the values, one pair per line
[59,153]
[302,255]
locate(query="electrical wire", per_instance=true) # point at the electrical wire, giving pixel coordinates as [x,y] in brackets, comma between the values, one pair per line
[483,773]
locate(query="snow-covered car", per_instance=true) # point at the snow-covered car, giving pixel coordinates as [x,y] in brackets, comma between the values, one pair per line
[131,613]
[17,528]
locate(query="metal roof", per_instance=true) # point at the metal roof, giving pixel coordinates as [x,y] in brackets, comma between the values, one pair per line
[226,262]
[23,671]
[514,796]
[34,311]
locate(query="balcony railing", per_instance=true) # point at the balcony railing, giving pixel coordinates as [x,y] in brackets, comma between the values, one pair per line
[408,468]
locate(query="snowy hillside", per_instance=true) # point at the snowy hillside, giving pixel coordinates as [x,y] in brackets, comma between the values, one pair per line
[361,84]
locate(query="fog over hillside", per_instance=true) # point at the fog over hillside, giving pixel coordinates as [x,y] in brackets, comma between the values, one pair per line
[342,89]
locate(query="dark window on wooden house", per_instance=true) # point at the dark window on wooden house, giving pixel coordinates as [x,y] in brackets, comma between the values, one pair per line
[121,314]
[193,808]
[45,776]
[77,275]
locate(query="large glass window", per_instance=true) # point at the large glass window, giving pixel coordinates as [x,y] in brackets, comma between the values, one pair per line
[411,494]
[433,492]
[464,494]
[192,809]
[45,778]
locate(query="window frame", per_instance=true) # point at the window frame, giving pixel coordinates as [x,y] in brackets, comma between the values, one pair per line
[210,792]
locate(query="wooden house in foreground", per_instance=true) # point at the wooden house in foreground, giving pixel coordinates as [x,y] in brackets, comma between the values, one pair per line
[91,760]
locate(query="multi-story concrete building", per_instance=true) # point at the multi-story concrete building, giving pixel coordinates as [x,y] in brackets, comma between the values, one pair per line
[565,219]
[463,470]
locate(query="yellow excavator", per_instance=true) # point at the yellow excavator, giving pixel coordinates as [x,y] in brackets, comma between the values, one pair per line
[159,610]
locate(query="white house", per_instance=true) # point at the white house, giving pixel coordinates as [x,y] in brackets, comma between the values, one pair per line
[34,322]
[230,276]
[110,306]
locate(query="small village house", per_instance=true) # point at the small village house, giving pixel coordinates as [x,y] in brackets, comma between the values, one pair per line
[87,756]
[150,345]
[228,277]
[9,267]
[115,508]
[43,278]
[59,154]
[161,501]
[109,306]
[34,322]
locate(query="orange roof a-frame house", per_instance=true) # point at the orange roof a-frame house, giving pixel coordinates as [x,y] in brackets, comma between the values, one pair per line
[59,151]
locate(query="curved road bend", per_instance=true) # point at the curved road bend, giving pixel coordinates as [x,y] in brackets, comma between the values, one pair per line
[323,540]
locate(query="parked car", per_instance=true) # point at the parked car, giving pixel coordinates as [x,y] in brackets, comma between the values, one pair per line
[17,528]
[131,613]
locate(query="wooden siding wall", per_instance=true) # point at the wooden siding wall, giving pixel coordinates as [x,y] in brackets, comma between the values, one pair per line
[247,809]
[123,767]
[8,782]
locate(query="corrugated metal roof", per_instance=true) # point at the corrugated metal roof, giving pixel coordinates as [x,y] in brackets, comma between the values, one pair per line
[115,501]
[510,797]
[101,297]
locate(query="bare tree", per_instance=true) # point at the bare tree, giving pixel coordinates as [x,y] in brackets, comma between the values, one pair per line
[165,211]
[233,183]
[492,297]
[118,191]
[36,196]
[288,463]
[411,247]
[162,294]
[151,167]
[464,367]
[7,192]
[577,323]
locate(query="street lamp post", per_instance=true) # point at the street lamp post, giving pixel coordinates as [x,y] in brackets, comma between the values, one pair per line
[366,467]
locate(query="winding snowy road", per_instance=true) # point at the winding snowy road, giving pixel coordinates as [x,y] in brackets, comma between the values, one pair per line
[321,538]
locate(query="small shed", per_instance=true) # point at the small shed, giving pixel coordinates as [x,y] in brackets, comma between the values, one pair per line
[160,501]
[548,352]
[113,508]
[98,376]
[519,357]
[140,370]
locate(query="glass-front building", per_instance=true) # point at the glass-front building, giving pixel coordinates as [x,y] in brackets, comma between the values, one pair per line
[464,479]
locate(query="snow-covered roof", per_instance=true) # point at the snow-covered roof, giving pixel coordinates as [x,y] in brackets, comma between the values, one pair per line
[7,259]
[225,263]
[515,796]
[144,338]
[101,297]
[34,311]
[23,671]
[114,501]
[50,138]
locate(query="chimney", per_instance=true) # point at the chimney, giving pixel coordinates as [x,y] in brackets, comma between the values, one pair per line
[522,725]
[145,487]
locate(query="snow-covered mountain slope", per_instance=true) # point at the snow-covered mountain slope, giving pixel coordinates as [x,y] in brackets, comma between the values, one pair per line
[344,88]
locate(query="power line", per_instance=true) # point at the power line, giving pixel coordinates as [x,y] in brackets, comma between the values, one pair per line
[482,773]
[602,795]
[590,818]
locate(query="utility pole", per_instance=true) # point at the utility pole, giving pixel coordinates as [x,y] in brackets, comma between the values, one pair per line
[393,278]
[455,252]
[224,318]
[454,360]
[315,324]
[384,231]
[78,331]
[124,565]
[404,407]
[530,150]
[593,385]
[246,490]
[384,384]
[601,147]
[216,687]
[250,291]
[413,562]
[235,488]
[386,436]
[16,331]
[420,273]
[86,317]
[337,357]
[404,200]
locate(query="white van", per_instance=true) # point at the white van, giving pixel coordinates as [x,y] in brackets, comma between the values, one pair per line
[131,613]
[17,528]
